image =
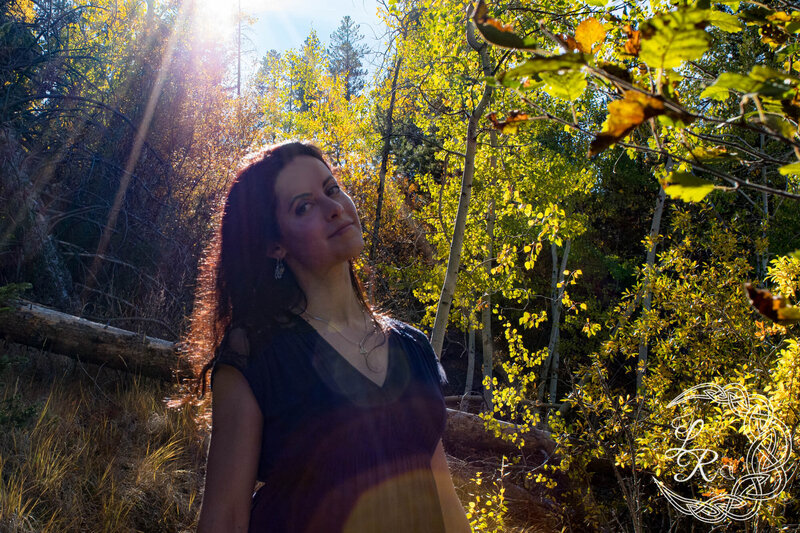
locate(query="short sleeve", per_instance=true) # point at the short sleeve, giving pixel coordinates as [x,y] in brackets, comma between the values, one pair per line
[430,361]
[433,362]
[232,351]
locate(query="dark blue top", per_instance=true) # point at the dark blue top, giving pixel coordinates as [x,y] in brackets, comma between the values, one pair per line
[338,452]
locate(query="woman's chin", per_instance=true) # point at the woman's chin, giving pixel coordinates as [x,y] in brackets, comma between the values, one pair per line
[343,254]
[350,254]
[358,247]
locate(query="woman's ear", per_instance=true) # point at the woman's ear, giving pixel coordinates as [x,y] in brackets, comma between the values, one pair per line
[276,251]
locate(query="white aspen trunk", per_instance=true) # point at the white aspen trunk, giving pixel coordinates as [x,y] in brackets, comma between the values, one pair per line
[763,263]
[655,229]
[549,370]
[644,295]
[454,258]
[486,317]
[470,367]
[556,295]
[486,301]
[555,315]
[555,332]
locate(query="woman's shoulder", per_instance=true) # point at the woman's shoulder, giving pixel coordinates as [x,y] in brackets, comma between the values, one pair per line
[243,346]
[420,349]
[404,329]
[266,358]
[234,349]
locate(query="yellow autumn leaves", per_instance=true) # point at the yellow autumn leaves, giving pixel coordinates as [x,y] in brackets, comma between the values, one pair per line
[589,35]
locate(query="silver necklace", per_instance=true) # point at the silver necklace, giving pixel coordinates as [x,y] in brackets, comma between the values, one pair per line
[360,344]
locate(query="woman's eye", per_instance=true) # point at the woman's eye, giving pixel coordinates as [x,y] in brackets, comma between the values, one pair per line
[333,190]
[302,208]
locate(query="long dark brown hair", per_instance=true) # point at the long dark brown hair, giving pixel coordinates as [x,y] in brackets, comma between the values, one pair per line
[236,286]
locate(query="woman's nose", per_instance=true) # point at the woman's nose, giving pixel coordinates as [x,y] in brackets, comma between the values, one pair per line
[334,208]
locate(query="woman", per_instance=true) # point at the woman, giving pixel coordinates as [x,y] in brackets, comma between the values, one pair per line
[338,411]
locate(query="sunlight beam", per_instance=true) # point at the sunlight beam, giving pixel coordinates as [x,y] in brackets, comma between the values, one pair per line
[136,150]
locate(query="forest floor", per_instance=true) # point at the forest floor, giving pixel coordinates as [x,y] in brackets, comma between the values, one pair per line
[88,449]
[84,448]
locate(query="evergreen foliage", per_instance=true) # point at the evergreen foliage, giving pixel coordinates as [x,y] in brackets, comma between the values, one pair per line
[345,53]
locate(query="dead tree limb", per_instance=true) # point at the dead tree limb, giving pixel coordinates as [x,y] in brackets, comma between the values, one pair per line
[37,326]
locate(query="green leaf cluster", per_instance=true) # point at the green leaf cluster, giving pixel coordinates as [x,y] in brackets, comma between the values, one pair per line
[658,56]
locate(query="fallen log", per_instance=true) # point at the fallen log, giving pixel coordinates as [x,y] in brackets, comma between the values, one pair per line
[37,326]
[466,430]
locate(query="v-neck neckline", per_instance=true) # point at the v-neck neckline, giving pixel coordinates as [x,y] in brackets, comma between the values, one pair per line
[343,360]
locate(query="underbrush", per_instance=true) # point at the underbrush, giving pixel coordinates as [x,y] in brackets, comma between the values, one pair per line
[494,504]
[88,449]
[83,449]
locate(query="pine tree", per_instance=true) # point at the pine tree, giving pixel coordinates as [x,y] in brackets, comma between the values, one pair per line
[345,54]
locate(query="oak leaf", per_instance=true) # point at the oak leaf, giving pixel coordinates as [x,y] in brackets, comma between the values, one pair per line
[773,307]
[497,32]
[588,33]
[570,44]
[674,37]
[634,42]
[724,21]
[568,85]
[792,169]
[702,153]
[537,64]
[623,117]
[779,16]
[511,123]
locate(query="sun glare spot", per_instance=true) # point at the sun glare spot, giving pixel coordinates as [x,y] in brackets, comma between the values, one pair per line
[216,19]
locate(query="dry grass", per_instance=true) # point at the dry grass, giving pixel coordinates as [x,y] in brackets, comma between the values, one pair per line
[86,449]
[83,449]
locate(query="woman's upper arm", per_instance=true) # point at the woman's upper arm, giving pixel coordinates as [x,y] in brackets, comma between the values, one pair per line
[455,519]
[233,453]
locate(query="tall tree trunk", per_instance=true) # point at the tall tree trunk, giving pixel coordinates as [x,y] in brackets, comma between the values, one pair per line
[470,366]
[655,229]
[486,301]
[151,13]
[387,138]
[486,317]
[644,296]
[763,255]
[454,259]
[239,51]
[557,288]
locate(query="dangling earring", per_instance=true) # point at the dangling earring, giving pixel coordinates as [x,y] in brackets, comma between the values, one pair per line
[279,268]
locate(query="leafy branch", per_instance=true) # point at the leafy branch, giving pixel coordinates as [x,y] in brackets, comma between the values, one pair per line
[642,63]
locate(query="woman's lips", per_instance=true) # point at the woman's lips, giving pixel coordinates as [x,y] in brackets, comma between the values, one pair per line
[342,229]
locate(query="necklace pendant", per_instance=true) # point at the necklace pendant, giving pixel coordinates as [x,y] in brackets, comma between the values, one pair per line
[362,350]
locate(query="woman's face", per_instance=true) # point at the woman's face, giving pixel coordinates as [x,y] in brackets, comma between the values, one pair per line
[318,221]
